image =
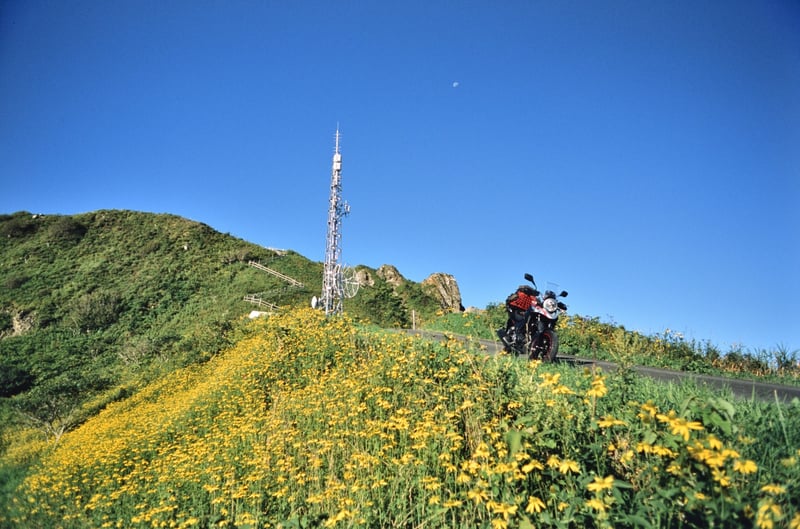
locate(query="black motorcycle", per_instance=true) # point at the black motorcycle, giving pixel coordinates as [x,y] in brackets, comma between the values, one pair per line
[539,339]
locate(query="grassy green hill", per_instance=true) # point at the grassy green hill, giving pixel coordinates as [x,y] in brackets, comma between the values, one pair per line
[307,421]
[120,325]
[94,303]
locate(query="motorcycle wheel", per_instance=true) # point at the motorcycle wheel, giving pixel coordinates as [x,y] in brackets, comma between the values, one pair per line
[545,346]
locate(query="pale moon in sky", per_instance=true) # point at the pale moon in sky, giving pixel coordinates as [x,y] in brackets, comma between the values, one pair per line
[455,84]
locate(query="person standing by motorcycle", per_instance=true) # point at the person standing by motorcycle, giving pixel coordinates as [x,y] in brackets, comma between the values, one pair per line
[517,305]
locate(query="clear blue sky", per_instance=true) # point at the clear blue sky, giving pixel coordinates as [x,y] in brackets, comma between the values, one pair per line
[644,155]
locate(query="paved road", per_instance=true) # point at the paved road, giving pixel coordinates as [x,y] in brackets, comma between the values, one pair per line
[746,389]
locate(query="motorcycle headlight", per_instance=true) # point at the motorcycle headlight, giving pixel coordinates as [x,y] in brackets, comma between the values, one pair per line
[550,305]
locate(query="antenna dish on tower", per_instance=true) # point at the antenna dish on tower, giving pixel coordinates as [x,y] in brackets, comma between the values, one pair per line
[333,280]
[350,283]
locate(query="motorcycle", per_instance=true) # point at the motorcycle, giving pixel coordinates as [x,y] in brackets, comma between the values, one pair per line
[540,339]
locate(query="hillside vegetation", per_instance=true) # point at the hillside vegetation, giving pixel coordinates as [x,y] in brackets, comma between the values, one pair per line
[92,294]
[591,338]
[315,422]
[94,305]
[120,327]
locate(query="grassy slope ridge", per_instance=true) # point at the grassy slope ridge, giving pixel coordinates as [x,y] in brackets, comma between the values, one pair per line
[95,307]
[121,287]
[92,306]
[308,422]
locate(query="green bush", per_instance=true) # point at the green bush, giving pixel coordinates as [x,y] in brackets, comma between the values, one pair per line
[6,322]
[380,305]
[13,379]
[66,229]
[20,224]
[96,310]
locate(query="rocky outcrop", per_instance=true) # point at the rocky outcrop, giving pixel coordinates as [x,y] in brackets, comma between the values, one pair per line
[439,286]
[444,288]
[388,273]
[364,277]
[19,322]
[391,275]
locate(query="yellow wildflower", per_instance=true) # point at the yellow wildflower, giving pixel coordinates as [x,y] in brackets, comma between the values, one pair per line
[499,523]
[549,379]
[503,509]
[477,495]
[568,465]
[535,505]
[482,451]
[601,483]
[341,515]
[721,478]
[648,411]
[663,451]
[532,465]
[768,513]
[712,459]
[745,467]
[596,504]
[682,427]
[733,454]
[609,421]
[561,389]
[674,469]
[462,478]
[773,489]
[713,442]
[666,418]
[598,388]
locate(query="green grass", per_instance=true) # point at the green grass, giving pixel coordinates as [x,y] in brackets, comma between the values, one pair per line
[312,422]
[101,309]
[591,338]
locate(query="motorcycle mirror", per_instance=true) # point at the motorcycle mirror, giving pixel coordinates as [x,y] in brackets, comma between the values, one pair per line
[563,294]
[530,278]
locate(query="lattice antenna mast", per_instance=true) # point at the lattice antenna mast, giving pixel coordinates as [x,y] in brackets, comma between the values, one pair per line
[332,278]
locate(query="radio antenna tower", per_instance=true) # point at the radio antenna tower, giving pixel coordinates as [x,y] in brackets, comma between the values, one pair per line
[333,281]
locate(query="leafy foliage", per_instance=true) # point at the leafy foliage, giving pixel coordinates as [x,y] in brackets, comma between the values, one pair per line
[18,225]
[96,307]
[307,421]
[592,338]
[108,297]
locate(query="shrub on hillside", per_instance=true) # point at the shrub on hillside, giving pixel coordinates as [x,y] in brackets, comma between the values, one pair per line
[6,322]
[383,307]
[15,282]
[66,229]
[96,310]
[13,380]
[18,225]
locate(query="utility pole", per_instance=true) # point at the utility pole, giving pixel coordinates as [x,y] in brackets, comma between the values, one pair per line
[333,284]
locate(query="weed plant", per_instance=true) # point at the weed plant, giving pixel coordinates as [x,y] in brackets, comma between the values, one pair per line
[307,421]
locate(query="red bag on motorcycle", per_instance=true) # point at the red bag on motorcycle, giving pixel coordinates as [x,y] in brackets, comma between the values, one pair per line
[522,299]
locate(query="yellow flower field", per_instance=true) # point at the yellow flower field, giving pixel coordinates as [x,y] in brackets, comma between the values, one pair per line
[310,422]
